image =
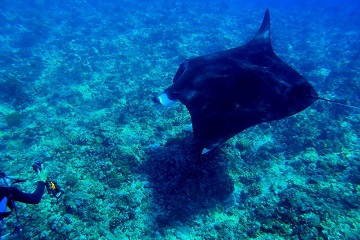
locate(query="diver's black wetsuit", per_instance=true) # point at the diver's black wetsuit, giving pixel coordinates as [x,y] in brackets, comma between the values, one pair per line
[14,194]
[19,196]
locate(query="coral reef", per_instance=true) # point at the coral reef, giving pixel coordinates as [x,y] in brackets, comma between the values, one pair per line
[76,82]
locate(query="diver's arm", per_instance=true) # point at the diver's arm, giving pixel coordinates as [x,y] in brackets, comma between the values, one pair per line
[35,197]
[32,198]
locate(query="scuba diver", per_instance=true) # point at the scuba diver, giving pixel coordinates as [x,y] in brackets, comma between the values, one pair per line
[9,195]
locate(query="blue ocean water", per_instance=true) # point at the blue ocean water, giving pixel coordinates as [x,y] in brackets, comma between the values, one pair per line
[76,82]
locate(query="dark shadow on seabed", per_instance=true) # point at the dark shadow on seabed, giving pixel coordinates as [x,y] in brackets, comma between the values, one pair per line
[183,183]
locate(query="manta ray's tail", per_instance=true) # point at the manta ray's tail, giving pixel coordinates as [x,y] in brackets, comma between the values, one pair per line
[338,102]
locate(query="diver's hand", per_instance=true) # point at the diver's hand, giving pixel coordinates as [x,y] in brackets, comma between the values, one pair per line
[43,174]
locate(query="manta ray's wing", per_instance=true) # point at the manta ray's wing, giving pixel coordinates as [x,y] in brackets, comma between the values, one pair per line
[229,91]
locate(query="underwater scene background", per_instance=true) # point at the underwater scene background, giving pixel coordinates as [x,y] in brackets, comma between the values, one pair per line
[76,82]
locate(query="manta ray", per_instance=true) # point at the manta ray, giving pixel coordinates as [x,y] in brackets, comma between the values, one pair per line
[232,90]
